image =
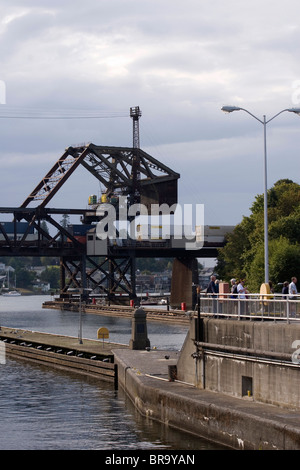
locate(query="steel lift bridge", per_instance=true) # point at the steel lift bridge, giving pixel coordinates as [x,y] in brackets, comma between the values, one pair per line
[107,267]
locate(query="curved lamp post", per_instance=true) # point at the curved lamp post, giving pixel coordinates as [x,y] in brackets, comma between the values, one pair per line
[264,122]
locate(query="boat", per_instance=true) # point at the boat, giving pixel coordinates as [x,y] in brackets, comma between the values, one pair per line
[12,293]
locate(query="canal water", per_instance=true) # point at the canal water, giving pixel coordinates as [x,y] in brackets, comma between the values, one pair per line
[46,409]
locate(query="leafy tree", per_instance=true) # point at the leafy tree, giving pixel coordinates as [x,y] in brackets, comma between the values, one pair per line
[243,255]
[284,261]
[25,278]
[64,222]
[51,274]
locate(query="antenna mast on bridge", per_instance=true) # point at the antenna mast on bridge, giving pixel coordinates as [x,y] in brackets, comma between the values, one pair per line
[135,114]
[135,198]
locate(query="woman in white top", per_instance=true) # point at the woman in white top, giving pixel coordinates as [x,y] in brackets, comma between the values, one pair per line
[241,289]
[292,287]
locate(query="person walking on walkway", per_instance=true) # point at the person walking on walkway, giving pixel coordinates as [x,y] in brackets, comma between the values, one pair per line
[242,290]
[285,289]
[292,288]
[211,288]
[233,295]
[212,291]
[233,288]
[293,295]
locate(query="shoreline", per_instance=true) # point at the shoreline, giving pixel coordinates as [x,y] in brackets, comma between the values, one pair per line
[177,316]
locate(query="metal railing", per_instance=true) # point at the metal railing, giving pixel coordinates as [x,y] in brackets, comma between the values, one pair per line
[253,307]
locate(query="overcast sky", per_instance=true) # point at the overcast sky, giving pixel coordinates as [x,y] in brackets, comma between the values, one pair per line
[180,61]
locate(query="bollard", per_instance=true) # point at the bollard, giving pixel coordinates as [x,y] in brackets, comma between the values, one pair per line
[172,373]
[139,338]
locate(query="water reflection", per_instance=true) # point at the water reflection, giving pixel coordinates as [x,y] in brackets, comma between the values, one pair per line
[26,312]
[43,408]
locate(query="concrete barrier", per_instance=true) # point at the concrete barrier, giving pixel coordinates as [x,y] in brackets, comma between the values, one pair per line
[234,423]
[237,357]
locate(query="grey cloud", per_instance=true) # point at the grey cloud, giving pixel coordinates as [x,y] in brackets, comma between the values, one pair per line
[179,61]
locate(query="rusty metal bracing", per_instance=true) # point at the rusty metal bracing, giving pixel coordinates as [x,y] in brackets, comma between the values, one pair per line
[121,170]
[56,177]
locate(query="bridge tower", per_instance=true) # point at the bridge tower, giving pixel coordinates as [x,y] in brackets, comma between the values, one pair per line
[135,114]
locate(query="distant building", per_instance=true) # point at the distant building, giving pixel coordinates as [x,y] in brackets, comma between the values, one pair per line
[42,286]
[154,282]
[163,282]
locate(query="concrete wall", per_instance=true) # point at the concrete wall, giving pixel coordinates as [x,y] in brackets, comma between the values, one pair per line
[214,416]
[243,358]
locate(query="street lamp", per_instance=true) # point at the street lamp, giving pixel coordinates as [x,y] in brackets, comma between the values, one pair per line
[264,122]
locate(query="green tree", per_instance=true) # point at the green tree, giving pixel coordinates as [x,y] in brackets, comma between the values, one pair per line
[284,261]
[64,222]
[25,278]
[51,274]
[243,255]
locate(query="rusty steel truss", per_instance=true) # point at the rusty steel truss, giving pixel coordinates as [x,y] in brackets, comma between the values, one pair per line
[122,171]
[116,168]
[126,172]
[108,275]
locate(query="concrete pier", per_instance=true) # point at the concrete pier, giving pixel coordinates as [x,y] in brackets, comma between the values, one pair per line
[237,423]
[91,357]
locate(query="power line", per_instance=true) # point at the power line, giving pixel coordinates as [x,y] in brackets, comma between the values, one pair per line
[35,113]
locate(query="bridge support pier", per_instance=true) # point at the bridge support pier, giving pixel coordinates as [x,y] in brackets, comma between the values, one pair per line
[105,276]
[184,282]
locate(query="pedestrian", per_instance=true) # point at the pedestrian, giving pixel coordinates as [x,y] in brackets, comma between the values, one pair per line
[285,289]
[292,288]
[271,287]
[233,288]
[233,295]
[242,290]
[293,295]
[211,288]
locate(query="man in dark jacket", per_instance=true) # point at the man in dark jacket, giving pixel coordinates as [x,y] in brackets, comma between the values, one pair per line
[212,288]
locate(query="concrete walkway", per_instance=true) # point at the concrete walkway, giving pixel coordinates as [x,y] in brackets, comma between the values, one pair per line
[239,423]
